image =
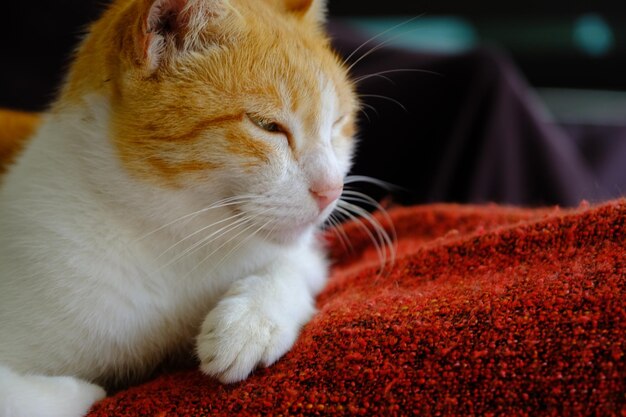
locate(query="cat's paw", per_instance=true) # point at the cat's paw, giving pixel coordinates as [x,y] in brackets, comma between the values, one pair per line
[238,335]
[65,396]
[44,396]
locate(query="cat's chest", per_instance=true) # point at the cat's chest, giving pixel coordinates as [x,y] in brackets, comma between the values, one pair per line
[147,301]
[137,327]
[142,306]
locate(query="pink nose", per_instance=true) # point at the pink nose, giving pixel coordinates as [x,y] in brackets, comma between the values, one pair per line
[325,198]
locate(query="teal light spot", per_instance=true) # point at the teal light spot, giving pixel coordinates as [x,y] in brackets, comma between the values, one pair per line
[593,35]
[445,34]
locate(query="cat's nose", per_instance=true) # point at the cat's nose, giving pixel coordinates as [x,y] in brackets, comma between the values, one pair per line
[324,197]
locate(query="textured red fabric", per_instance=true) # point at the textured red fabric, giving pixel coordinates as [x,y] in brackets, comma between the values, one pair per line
[487,311]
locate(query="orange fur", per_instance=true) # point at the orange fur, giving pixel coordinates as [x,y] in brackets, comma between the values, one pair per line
[172,121]
[15,129]
[349,130]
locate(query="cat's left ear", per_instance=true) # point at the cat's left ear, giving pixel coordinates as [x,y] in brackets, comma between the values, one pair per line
[314,10]
[170,27]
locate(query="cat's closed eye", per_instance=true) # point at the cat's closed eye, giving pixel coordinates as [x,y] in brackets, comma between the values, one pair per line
[265,124]
[340,120]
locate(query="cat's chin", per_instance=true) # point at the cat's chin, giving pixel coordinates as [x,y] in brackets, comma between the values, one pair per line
[290,235]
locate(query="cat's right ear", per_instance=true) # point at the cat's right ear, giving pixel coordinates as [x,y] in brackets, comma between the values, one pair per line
[170,27]
[314,10]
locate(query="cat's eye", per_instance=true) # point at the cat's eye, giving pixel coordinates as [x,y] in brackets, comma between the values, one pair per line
[265,124]
[340,120]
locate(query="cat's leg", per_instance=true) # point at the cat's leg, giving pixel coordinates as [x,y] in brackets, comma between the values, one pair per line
[44,396]
[260,317]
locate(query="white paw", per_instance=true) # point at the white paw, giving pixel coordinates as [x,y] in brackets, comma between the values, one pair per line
[43,396]
[238,335]
[73,396]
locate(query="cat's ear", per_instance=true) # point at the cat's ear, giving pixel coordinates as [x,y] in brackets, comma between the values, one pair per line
[314,10]
[169,27]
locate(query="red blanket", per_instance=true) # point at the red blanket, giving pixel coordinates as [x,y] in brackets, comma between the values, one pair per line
[486,311]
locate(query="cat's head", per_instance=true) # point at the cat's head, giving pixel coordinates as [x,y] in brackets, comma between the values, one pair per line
[226,98]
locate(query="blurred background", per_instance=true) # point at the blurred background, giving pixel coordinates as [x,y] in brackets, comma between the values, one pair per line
[568,45]
[573,52]
[569,55]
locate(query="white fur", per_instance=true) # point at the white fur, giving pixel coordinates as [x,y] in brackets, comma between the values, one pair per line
[41,396]
[94,286]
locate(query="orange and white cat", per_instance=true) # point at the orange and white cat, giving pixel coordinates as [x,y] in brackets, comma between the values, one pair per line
[169,199]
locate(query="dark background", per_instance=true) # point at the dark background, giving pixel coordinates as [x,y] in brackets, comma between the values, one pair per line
[483,8]
[36,39]
[527,29]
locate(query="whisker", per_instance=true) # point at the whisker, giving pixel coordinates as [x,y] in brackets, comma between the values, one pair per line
[367,116]
[242,242]
[351,194]
[383,239]
[269,232]
[379,251]
[384,43]
[369,106]
[393,100]
[377,75]
[202,229]
[338,229]
[208,240]
[380,74]
[219,204]
[351,179]
[364,198]
[399,25]
[219,233]
[218,248]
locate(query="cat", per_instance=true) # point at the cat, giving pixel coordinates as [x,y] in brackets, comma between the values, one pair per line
[169,199]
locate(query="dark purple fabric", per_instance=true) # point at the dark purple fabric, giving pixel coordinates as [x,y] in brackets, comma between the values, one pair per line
[472,133]
[604,147]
